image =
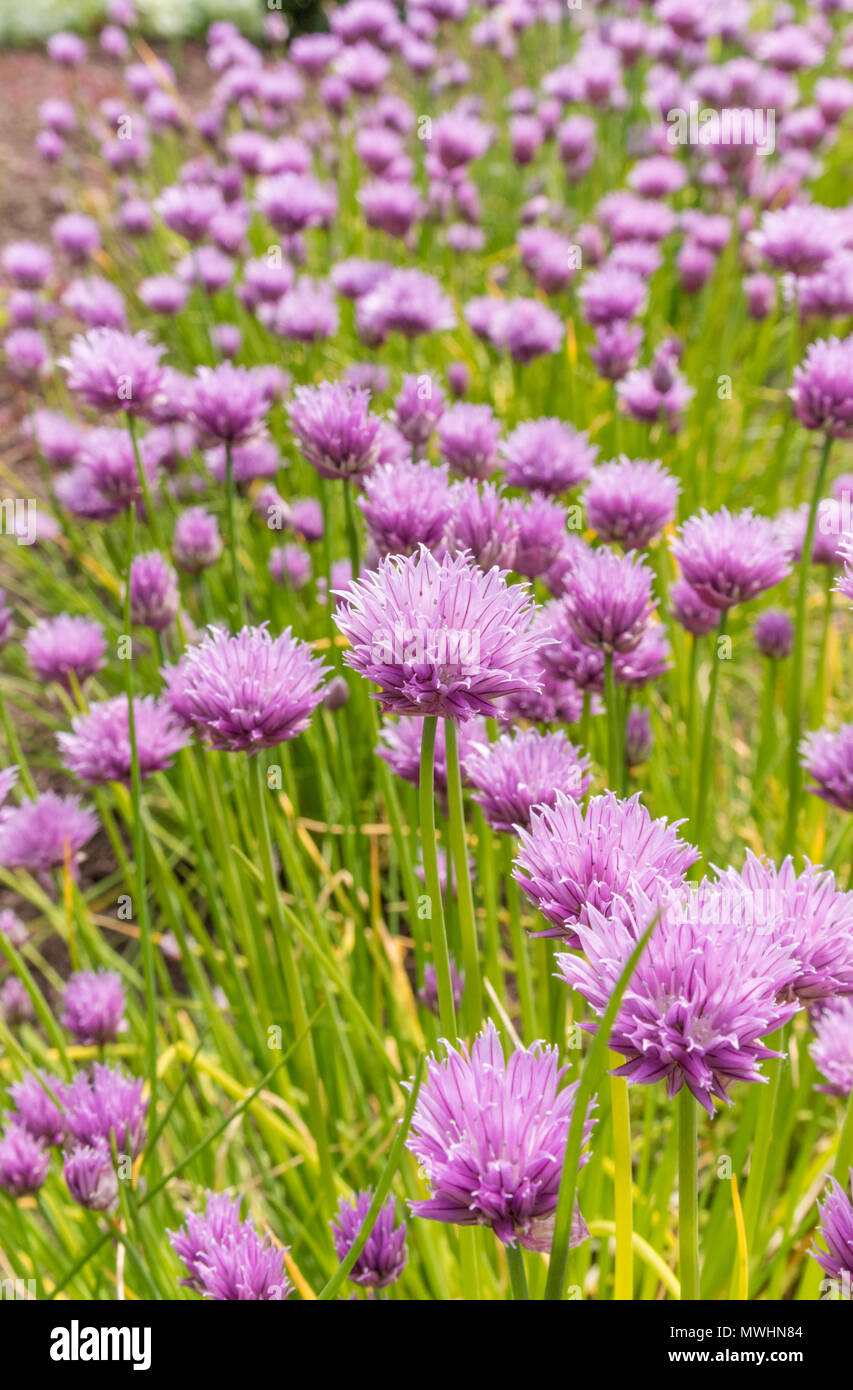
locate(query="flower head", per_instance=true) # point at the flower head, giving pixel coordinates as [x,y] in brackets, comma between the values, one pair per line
[827,756]
[383,1258]
[38,834]
[97,750]
[37,1112]
[572,861]
[699,1002]
[823,387]
[225,1258]
[94,1006]
[836,1214]
[730,557]
[608,598]
[630,501]
[59,647]
[438,637]
[832,1049]
[112,370]
[524,770]
[774,634]
[491,1136]
[228,403]
[246,691]
[468,438]
[91,1177]
[483,523]
[335,429]
[428,992]
[23,1162]
[196,543]
[154,596]
[406,505]
[107,1102]
[547,456]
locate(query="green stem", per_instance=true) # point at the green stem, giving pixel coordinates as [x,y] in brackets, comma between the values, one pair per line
[795,709]
[614,733]
[623,1178]
[688,1199]
[708,738]
[306,1058]
[517,1275]
[438,932]
[464,895]
[143,914]
[230,491]
[519,948]
[150,514]
[352,529]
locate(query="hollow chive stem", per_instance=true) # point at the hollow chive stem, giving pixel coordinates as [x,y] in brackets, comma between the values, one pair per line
[688,1199]
[517,1274]
[232,534]
[795,707]
[438,931]
[708,738]
[464,895]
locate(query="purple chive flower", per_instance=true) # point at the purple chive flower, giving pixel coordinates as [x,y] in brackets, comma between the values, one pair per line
[306,314]
[406,505]
[391,205]
[107,1102]
[639,740]
[572,860]
[730,557]
[529,329]
[354,278]
[483,523]
[774,634]
[827,542]
[189,209]
[91,1178]
[163,294]
[59,647]
[823,387]
[112,370]
[541,535]
[335,429]
[760,291]
[438,637]
[26,353]
[246,691]
[38,834]
[306,519]
[36,1111]
[630,501]
[698,1004]
[384,1256]
[225,1258]
[836,1214]
[94,1007]
[23,1162]
[608,598]
[491,1136]
[16,1005]
[798,239]
[196,543]
[11,925]
[468,437]
[97,750]
[77,235]
[27,264]
[832,1049]
[828,760]
[57,437]
[616,349]
[807,911]
[293,202]
[428,992]
[407,302]
[458,139]
[228,404]
[154,597]
[524,770]
[611,295]
[547,456]
[418,408]
[646,662]
[693,614]
[68,50]
[98,304]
